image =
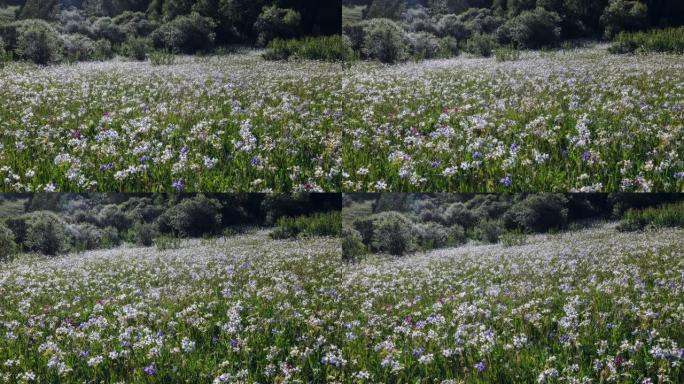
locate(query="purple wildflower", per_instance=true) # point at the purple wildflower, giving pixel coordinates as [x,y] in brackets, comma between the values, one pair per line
[178,185]
[506,181]
[586,156]
[144,158]
[150,370]
[679,176]
[106,167]
[480,366]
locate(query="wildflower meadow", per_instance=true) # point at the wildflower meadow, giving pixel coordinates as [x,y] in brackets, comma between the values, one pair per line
[589,306]
[219,123]
[566,120]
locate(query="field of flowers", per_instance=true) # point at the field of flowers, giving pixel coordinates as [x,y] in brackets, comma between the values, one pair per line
[225,123]
[226,310]
[552,121]
[590,306]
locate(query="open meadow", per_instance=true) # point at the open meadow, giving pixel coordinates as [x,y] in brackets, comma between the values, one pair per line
[204,123]
[589,306]
[579,119]
[229,310]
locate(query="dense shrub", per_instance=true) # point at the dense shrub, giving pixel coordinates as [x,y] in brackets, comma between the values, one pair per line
[355,34]
[623,15]
[74,21]
[435,215]
[448,47]
[384,40]
[112,216]
[5,54]
[37,41]
[457,235]
[489,231]
[134,24]
[424,45]
[531,29]
[103,50]
[431,235]
[105,28]
[392,233]
[458,213]
[538,213]
[110,237]
[365,228]
[669,40]
[480,20]
[668,215]
[320,224]
[187,34]
[85,236]
[451,25]
[353,248]
[192,217]
[276,22]
[480,45]
[40,231]
[144,234]
[136,48]
[324,48]
[8,248]
[77,47]
[162,57]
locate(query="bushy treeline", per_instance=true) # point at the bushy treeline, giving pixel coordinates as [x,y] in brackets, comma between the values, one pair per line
[403,223]
[45,31]
[324,48]
[52,224]
[395,30]
[661,216]
[660,40]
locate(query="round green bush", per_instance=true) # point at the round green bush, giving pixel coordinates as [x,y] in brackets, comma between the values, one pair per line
[392,233]
[41,232]
[384,41]
[458,213]
[531,29]
[457,235]
[136,48]
[37,41]
[192,217]
[144,234]
[77,47]
[276,22]
[538,213]
[451,25]
[187,34]
[481,45]
[489,231]
[8,248]
[424,45]
[85,236]
[431,235]
[353,248]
